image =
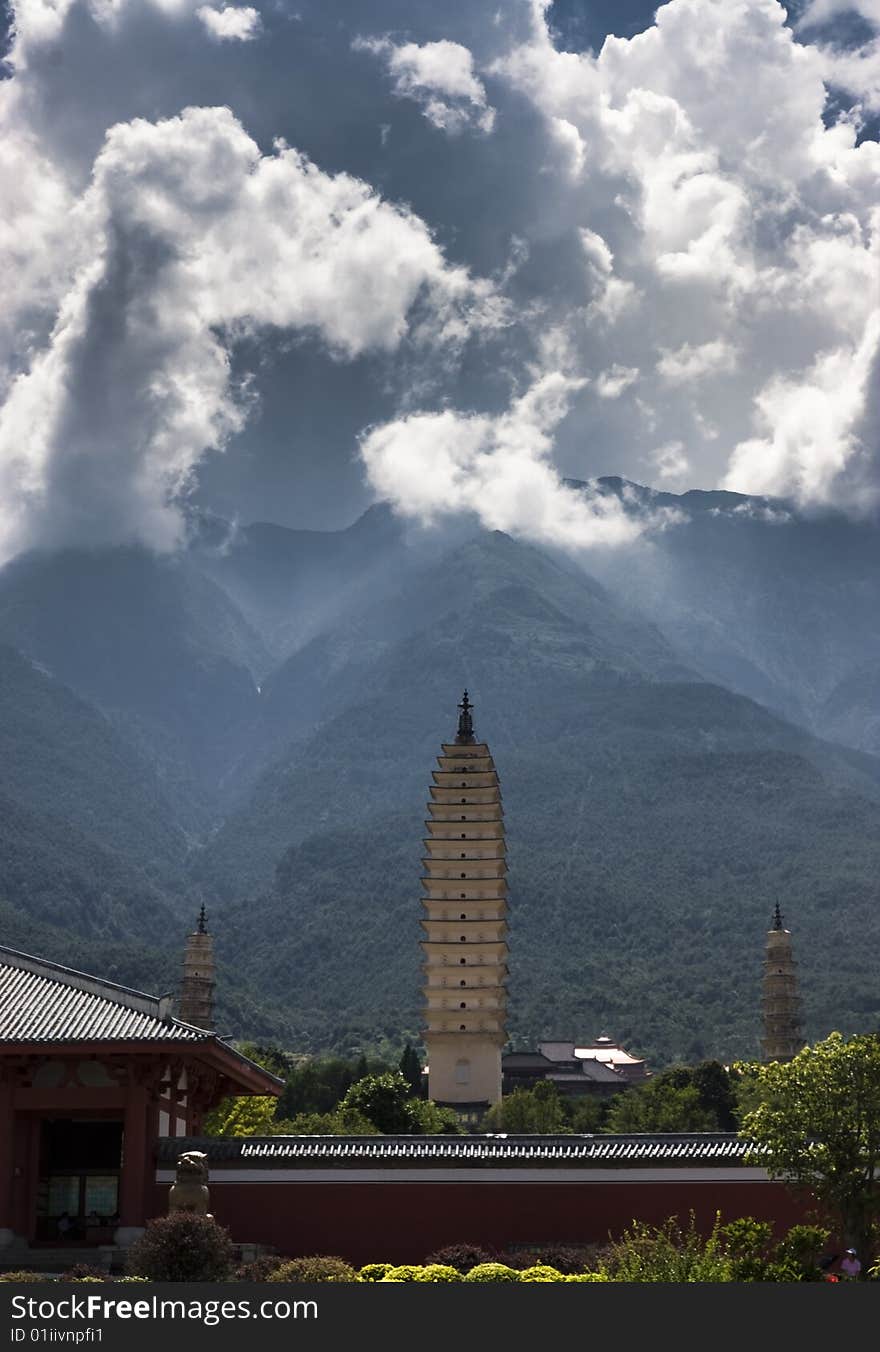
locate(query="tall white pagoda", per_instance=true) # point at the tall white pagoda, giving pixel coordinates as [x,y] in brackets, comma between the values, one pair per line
[465,944]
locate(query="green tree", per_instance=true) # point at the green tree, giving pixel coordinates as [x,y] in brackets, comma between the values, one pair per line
[251,1116]
[429,1119]
[411,1069]
[714,1085]
[659,1106]
[529,1111]
[381,1099]
[817,1127]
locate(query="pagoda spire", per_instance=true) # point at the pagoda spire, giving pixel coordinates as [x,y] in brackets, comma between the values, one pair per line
[465,735]
[196,1003]
[465,923]
[782,1038]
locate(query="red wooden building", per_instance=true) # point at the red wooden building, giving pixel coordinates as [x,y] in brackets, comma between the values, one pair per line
[91,1076]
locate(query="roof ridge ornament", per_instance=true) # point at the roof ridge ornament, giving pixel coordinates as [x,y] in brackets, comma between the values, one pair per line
[465,735]
[777,918]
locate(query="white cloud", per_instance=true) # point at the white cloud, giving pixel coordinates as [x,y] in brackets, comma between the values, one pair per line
[820,11]
[611,295]
[611,384]
[440,77]
[230,24]
[742,229]
[811,430]
[186,238]
[670,463]
[688,363]
[431,464]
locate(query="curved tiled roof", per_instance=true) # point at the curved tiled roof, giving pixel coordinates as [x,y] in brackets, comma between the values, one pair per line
[42,1001]
[703,1148]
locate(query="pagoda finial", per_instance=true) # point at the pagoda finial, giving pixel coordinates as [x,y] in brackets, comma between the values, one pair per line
[465,721]
[777,918]
[203,920]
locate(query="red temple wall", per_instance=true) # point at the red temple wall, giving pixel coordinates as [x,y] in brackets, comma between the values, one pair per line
[404,1222]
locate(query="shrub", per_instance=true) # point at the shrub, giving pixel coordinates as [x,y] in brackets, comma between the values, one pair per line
[374,1272]
[24,1277]
[667,1253]
[800,1251]
[81,1272]
[315,1268]
[437,1272]
[564,1258]
[260,1270]
[462,1257]
[181,1248]
[405,1273]
[586,1277]
[492,1272]
[541,1273]
[747,1244]
[132,1279]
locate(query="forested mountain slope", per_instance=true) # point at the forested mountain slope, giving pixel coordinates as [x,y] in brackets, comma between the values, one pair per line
[156,646]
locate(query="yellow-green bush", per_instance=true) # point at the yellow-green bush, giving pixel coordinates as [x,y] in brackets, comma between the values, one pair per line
[374,1272]
[24,1277]
[406,1272]
[586,1277]
[541,1273]
[492,1272]
[315,1268]
[437,1272]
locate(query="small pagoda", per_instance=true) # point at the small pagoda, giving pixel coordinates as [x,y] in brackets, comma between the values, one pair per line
[465,944]
[781,1004]
[196,1003]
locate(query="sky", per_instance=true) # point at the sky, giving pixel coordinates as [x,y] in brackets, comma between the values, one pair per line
[279,261]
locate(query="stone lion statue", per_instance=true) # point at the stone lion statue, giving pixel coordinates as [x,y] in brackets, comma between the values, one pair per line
[189,1191]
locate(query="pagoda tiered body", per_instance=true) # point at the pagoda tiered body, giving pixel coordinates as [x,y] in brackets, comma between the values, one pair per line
[781,1004]
[465,944]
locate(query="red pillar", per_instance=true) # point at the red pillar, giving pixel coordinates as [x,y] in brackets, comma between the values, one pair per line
[7,1161]
[135,1164]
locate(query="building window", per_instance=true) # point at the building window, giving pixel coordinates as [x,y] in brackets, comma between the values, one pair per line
[463,939]
[462,916]
[462,1072]
[462,1028]
[462,1005]
[464,875]
[462,961]
[462,983]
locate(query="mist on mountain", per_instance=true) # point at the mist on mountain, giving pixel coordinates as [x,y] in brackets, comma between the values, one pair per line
[682,730]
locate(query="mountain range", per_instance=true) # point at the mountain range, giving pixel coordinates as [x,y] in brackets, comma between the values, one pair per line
[686,732]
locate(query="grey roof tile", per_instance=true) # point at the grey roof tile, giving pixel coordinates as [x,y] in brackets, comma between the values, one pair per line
[42,1001]
[484,1151]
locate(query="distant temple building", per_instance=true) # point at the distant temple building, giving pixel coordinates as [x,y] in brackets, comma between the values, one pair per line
[599,1068]
[196,1003]
[604,1052]
[782,1038]
[465,944]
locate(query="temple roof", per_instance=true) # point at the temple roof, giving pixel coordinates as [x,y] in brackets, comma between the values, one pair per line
[44,1002]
